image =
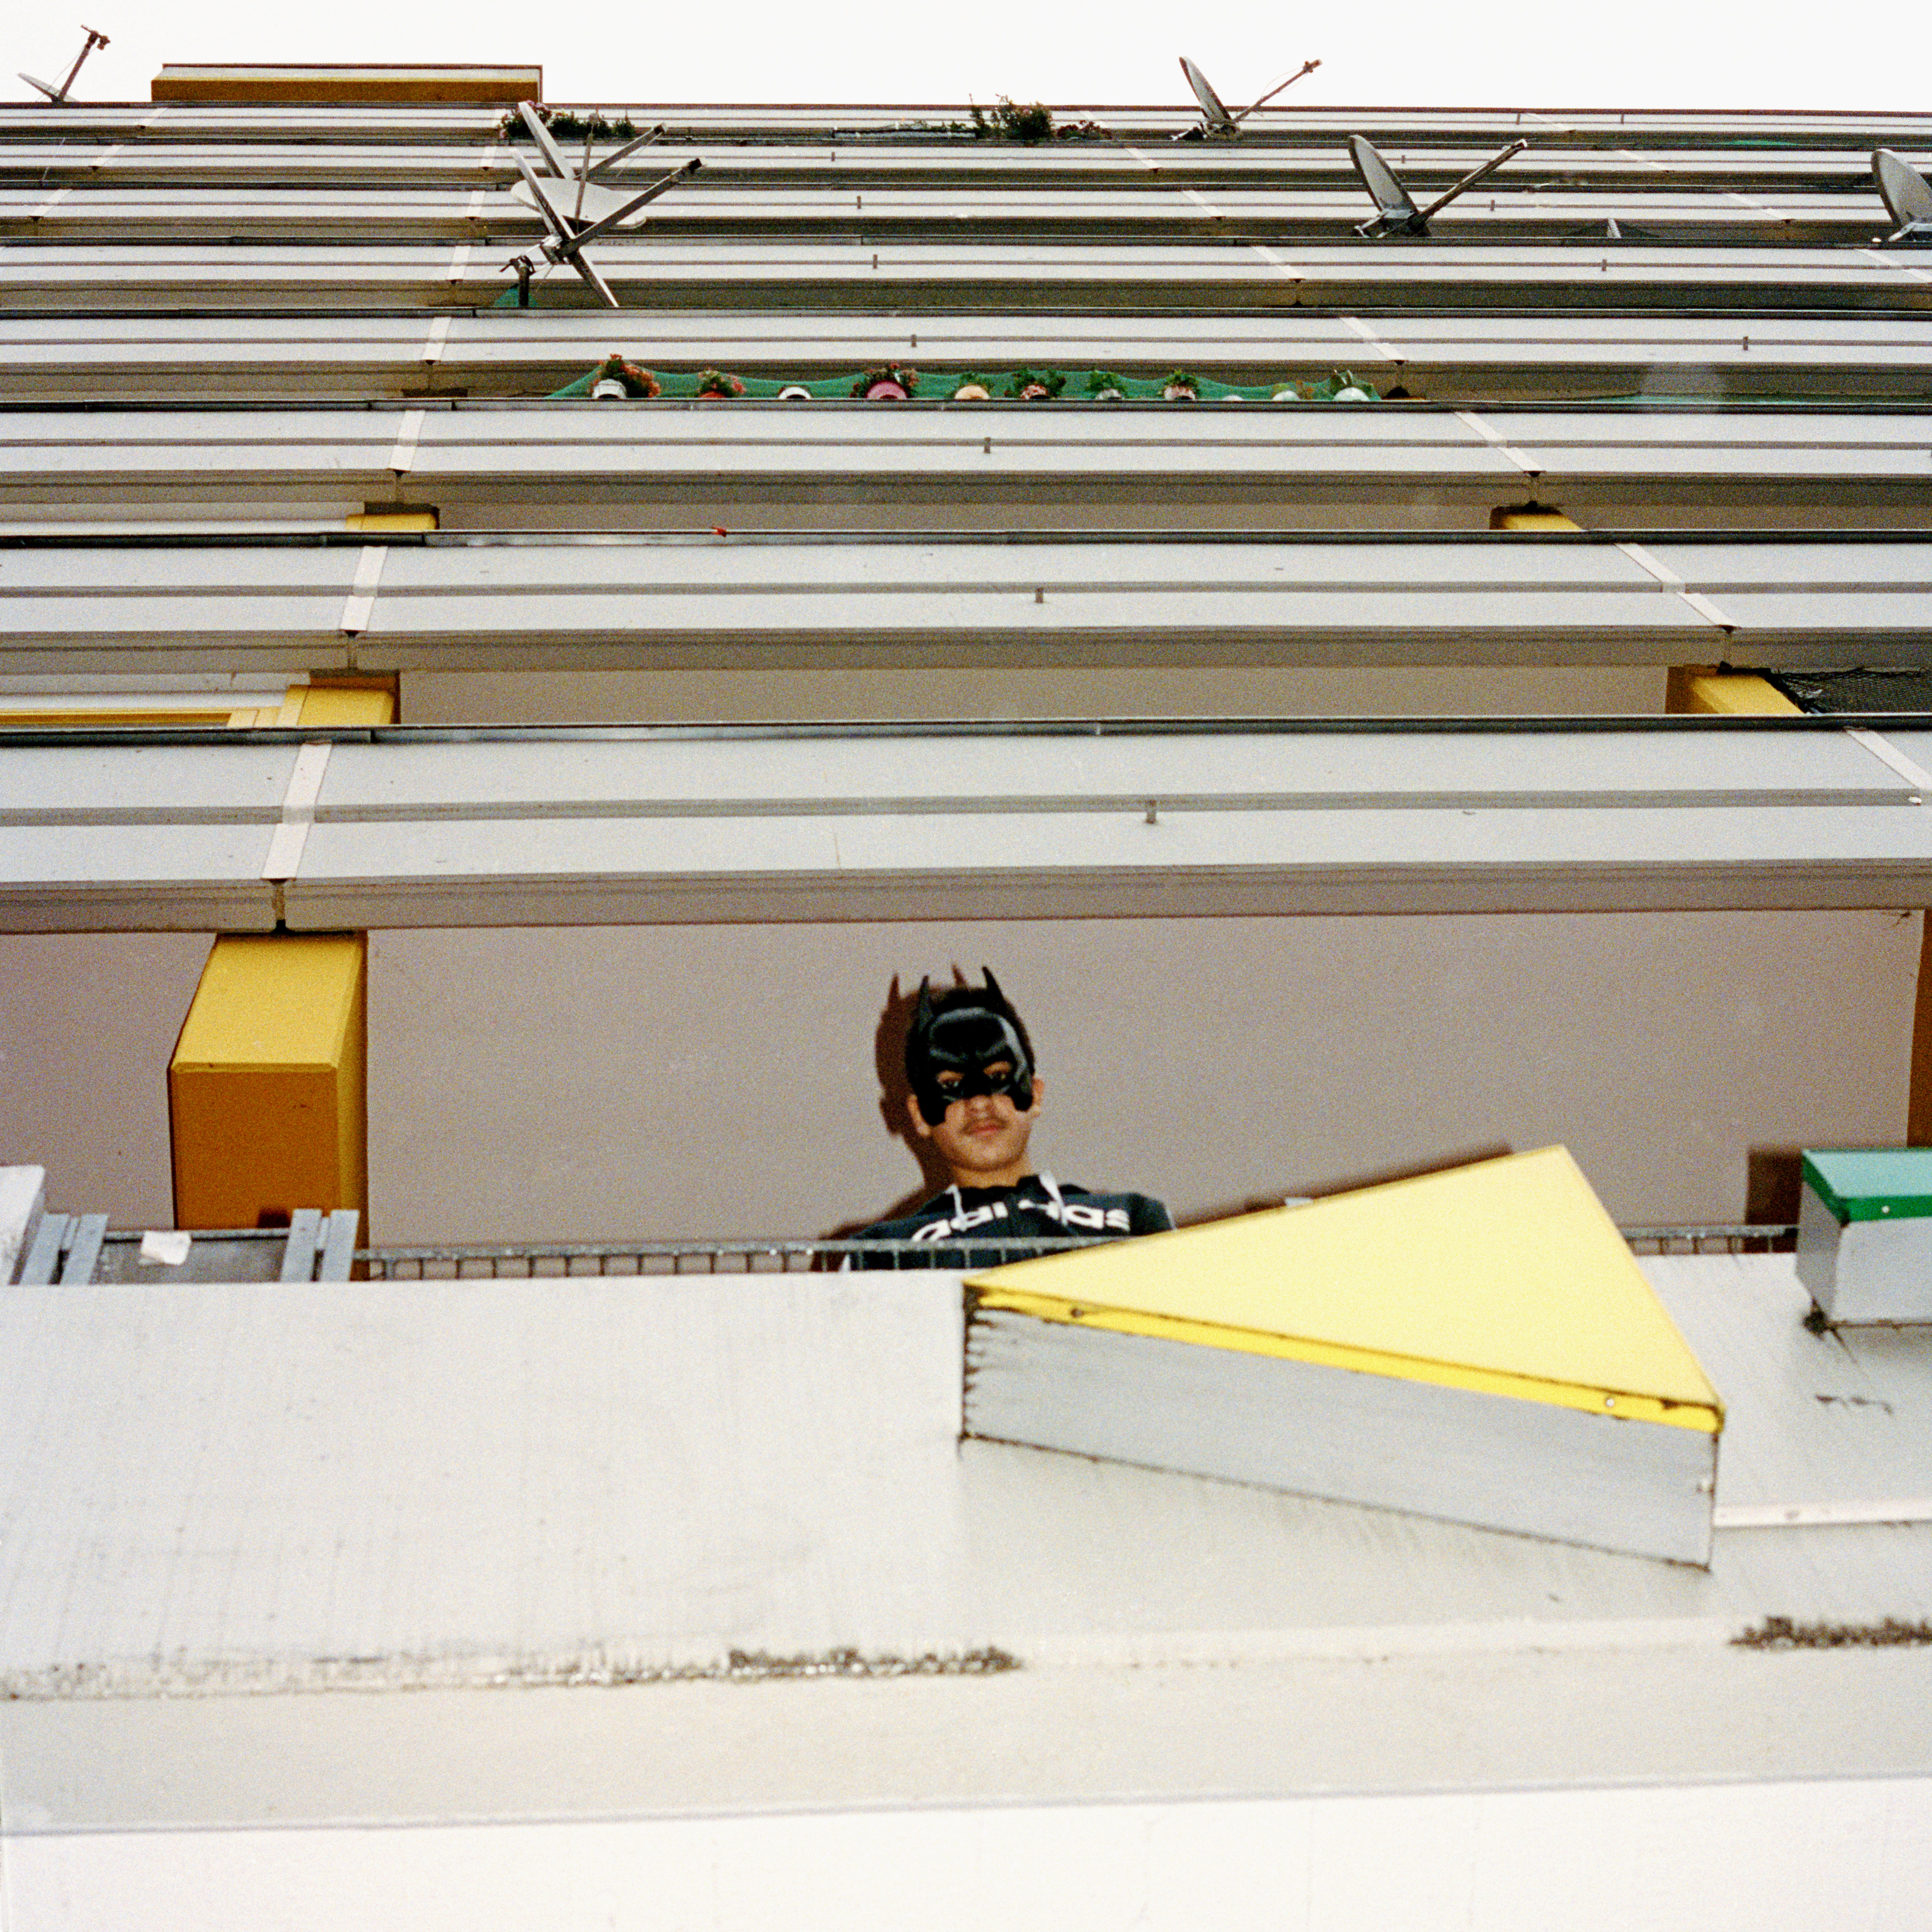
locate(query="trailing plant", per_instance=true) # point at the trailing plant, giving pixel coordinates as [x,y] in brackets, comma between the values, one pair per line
[1035,385]
[565,125]
[638,382]
[891,372]
[1331,386]
[1010,122]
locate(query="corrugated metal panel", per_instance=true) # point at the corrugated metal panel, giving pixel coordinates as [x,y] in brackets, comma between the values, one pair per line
[1644,128]
[1062,772]
[359,155]
[278,458]
[1497,354]
[430,828]
[143,878]
[456,602]
[1131,209]
[57,785]
[667,272]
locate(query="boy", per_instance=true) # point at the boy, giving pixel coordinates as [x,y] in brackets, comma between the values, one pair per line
[975,1097]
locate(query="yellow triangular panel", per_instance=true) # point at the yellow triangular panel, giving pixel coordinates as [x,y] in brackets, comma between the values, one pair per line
[1507,1276]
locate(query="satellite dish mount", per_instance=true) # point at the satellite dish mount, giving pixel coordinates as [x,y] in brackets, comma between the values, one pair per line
[593,211]
[1216,119]
[57,96]
[1397,213]
[1907,198]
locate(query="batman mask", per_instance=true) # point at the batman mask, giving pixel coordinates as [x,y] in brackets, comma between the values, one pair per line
[967,1033]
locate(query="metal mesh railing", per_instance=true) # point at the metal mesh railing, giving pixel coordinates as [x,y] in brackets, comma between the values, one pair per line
[1720,1238]
[524,1261]
[541,1260]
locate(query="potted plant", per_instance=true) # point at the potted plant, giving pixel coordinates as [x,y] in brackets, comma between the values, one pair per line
[1181,386]
[1345,386]
[616,380]
[1103,386]
[715,385]
[892,383]
[1036,386]
[972,388]
[1011,122]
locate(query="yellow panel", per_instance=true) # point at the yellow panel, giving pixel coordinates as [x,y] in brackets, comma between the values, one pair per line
[346,85]
[266,1091]
[393,519]
[103,714]
[1528,519]
[1703,688]
[1507,1276]
[369,703]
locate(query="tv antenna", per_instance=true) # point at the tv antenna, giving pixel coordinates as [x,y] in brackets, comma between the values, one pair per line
[1907,198]
[594,210]
[1215,118]
[57,96]
[1397,211]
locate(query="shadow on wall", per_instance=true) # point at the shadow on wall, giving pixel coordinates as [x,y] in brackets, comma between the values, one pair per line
[889,1062]
[603,1083]
[1771,1179]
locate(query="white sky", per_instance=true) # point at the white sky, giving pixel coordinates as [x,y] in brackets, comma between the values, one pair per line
[1629,53]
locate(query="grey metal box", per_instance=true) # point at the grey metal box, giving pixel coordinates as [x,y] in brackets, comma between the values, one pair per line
[1864,1233]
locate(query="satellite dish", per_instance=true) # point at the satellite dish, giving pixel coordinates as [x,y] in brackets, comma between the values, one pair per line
[57,96]
[1219,120]
[1385,188]
[1906,195]
[624,153]
[1397,213]
[539,132]
[1215,118]
[592,211]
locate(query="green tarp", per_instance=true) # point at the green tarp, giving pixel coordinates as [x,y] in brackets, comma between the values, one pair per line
[939,386]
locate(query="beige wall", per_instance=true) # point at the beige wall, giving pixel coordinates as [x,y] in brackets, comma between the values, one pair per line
[604,1082]
[1292,502]
[599,1083]
[87,1024]
[511,698]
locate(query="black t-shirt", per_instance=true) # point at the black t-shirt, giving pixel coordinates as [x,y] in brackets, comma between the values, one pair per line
[1038,1206]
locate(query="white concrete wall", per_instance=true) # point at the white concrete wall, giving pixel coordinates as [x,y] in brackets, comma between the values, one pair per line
[1741,1858]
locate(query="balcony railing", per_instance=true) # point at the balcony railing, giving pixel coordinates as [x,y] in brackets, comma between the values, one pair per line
[526,1261]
